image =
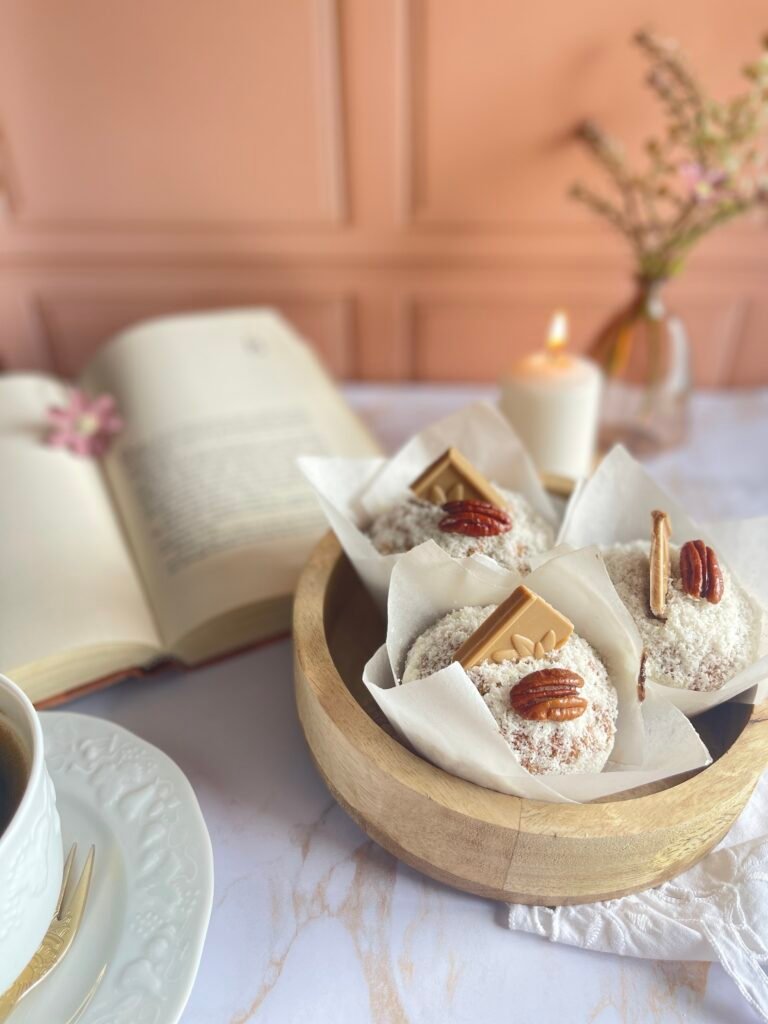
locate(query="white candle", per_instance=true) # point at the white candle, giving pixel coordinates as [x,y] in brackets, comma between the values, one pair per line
[552,399]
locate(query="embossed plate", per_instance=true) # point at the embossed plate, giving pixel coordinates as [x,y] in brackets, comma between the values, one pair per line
[150,901]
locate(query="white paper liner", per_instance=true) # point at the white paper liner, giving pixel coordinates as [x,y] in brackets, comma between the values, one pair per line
[614,507]
[352,491]
[445,719]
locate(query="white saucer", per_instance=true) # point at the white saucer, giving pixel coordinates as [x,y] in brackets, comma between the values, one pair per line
[152,890]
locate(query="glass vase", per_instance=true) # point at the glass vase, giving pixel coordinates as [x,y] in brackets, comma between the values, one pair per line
[643,351]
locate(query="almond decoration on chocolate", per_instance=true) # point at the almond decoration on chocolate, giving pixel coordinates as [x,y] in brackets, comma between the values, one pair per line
[474,518]
[523,626]
[550,694]
[700,572]
[659,563]
[452,477]
[524,647]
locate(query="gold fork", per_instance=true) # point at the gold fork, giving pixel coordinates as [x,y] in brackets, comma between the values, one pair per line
[59,937]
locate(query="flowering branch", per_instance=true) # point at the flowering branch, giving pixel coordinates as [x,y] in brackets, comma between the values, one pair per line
[710,166]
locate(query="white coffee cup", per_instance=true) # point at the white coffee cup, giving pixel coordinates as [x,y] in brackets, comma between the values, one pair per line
[30,847]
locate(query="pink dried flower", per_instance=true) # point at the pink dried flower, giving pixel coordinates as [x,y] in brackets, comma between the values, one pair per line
[86,425]
[701,182]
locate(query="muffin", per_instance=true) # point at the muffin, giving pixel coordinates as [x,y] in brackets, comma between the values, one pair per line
[580,742]
[414,520]
[694,642]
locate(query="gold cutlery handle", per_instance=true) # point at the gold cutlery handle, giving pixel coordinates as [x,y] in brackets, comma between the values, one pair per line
[10,998]
[57,940]
[52,948]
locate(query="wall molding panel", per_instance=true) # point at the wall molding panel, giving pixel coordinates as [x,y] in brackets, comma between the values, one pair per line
[321,110]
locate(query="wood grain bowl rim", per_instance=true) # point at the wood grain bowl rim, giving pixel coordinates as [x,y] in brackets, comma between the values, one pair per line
[724,786]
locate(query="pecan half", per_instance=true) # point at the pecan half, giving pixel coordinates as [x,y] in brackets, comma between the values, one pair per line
[474,519]
[715,577]
[550,694]
[482,507]
[692,568]
[700,572]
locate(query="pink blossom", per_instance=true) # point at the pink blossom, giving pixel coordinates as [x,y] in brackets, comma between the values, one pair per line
[701,182]
[86,425]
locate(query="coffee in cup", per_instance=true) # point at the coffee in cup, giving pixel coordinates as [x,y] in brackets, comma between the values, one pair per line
[30,835]
[14,771]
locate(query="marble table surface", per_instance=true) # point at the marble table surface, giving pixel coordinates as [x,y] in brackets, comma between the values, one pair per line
[312,921]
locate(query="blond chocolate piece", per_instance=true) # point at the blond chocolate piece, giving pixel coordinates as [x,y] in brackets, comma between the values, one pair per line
[523,626]
[452,477]
[660,572]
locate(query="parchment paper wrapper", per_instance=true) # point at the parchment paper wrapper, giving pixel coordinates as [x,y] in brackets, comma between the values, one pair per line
[446,720]
[353,491]
[614,507]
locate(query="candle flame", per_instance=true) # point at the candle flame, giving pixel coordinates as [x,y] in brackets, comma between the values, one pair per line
[558,332]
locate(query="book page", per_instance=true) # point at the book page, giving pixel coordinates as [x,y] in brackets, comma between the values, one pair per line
[68,580]
[217,408]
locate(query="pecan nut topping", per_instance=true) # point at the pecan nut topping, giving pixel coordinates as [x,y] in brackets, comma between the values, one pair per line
[474,519]
[700,572]
[483,507]
[549,694]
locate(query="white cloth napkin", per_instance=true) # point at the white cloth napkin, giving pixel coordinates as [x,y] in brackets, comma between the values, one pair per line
[718,910]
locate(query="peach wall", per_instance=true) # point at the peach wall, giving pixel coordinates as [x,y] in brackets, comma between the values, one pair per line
[390,173]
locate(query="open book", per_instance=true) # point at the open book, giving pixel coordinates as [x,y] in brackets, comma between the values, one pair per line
[185,540]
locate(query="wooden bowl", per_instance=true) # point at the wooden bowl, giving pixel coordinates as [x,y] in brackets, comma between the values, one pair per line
[524,851]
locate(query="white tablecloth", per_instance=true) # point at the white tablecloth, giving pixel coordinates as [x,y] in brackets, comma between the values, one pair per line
[312,922]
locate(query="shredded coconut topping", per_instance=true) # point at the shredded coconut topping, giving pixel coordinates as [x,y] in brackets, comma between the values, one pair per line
[700,646]
[413,521]
[580,745]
